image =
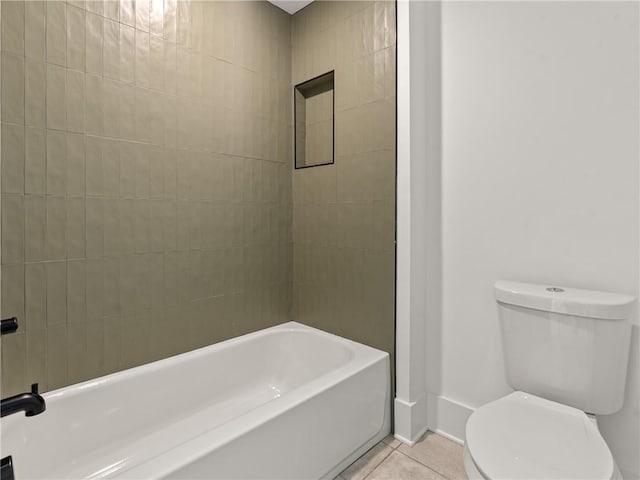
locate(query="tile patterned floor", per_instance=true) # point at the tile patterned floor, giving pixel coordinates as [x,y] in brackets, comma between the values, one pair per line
[432,458]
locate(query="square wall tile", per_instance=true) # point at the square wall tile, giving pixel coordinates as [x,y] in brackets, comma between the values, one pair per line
[12,228]
[56,97]
[78,367]
[12,86]
[127,54]
[111,108]
[37,358]
[95,288]
[95,6]
[142,58]
[75,167]
[57,357]
[94,105]
[13,27]
[112,9]
[14,363]
[55,233]
[35,91]
[94,34]
[56,162]
[12,159]
[35,213]
[34,30]
[13,294]
[111,49]
[56,39]
[35,160]
[94,227]
[128,12]
[75,101]
[142,14]
[76,291]
[112,234]
[75,228]
[169,20]
[35,296]
[75,38]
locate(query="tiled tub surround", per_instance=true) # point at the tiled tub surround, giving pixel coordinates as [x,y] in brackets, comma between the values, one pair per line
[301,404]
[146,181]
[344,214]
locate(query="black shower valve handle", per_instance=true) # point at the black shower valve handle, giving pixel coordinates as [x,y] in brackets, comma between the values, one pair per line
[8,325]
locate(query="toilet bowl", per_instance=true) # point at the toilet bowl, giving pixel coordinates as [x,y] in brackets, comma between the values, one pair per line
[522,436]
[566,353]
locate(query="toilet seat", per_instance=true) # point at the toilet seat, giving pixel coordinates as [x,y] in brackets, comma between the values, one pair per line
[522,436]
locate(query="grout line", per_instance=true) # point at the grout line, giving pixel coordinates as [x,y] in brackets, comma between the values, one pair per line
[427,466]
[393,439]
[386,457]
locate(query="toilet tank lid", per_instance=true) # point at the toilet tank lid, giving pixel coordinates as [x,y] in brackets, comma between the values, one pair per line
[565,300]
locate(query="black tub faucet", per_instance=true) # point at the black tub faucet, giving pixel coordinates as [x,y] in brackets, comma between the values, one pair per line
[8,325]
[6,469]
[30,403]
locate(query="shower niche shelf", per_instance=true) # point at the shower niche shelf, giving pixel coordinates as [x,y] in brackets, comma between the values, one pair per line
[314,130]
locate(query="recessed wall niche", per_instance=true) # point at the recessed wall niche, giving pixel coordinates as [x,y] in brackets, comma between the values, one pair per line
[314,121]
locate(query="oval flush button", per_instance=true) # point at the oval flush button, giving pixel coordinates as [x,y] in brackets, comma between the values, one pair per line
[555,289]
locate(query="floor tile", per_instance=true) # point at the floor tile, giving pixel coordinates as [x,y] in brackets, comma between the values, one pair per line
[400,467]
[367,463]
[438,453]
[391,441]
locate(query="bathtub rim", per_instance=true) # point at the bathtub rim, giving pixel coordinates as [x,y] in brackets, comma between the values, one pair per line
[132,372]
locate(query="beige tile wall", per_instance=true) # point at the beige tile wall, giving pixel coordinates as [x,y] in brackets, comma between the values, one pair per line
[344,214]
[146,181]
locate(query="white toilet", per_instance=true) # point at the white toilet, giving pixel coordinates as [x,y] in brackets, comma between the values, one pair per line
[566,353]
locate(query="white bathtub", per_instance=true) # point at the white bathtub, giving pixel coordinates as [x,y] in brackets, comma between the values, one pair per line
[285,402]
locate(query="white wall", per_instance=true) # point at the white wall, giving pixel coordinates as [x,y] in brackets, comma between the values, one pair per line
[540,181]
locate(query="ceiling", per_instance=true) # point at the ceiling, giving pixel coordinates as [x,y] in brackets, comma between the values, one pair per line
[291,6]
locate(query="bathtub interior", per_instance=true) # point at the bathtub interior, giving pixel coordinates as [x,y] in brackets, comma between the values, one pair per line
[104,425]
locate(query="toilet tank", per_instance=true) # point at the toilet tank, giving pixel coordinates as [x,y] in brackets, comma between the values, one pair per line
[565,344]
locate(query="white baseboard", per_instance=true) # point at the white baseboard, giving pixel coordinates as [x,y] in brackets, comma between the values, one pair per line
[408,442]
[447,417]
[457,440]
[410,419]
[436,413]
